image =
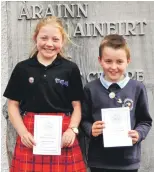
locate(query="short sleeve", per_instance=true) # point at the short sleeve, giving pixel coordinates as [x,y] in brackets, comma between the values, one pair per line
[76,87]
[14,89]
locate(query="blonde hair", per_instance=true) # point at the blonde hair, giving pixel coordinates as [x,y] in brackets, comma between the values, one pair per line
[57,23]
[114,41]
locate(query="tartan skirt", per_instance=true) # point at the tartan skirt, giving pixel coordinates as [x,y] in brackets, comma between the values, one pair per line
[24,160]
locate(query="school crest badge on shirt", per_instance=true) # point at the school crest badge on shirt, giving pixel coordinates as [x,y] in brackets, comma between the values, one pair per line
[61,81]
[128,103]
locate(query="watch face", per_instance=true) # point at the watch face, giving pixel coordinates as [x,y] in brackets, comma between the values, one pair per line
[75,130]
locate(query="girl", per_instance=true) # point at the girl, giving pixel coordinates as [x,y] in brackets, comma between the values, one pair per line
[46,84]
[114,89]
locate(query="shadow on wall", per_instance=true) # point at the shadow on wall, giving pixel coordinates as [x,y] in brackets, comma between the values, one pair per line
[10,135]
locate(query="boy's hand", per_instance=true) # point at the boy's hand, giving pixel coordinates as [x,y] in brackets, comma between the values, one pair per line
[134,135]
[97,128]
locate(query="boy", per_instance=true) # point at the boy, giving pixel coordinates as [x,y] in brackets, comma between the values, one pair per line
[112,90]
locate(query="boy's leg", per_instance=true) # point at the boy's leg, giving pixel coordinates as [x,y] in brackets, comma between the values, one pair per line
[97,170]
[105,170]
[121,171]
[127,171]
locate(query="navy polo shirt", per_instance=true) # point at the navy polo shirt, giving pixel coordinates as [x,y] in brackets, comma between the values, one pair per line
[41,88]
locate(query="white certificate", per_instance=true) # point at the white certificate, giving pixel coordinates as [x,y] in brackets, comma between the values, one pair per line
[47,135]
[117,125]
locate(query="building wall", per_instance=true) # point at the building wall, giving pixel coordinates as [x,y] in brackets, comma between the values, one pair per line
[86,23]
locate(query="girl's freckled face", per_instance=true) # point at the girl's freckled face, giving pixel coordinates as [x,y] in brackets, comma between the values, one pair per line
[49,41]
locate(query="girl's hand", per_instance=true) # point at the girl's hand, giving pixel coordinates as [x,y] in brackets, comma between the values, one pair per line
[134,135]
[97,128]
[28,140]
[68,138]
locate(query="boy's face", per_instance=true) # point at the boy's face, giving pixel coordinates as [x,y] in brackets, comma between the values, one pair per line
[114,63]
[49,41]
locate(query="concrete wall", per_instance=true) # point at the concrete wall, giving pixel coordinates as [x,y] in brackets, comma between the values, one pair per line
[87,24]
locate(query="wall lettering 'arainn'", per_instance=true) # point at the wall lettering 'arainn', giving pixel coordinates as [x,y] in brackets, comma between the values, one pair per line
[61,10]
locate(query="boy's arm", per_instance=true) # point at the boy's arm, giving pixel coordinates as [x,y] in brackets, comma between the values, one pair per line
[143,118]
[86,120]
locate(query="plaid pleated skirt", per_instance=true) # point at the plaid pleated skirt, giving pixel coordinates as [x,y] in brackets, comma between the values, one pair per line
[24,160]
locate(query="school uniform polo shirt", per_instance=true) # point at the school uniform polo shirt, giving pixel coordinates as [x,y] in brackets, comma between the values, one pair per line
[41,88]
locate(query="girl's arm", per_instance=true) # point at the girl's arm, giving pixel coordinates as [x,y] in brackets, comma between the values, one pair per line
[69,136]
[76,115]
[75,96]
[17,122]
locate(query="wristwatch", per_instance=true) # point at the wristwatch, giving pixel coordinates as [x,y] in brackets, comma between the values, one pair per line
[75,130]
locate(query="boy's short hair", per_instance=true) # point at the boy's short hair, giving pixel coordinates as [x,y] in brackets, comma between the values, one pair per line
[114,41]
